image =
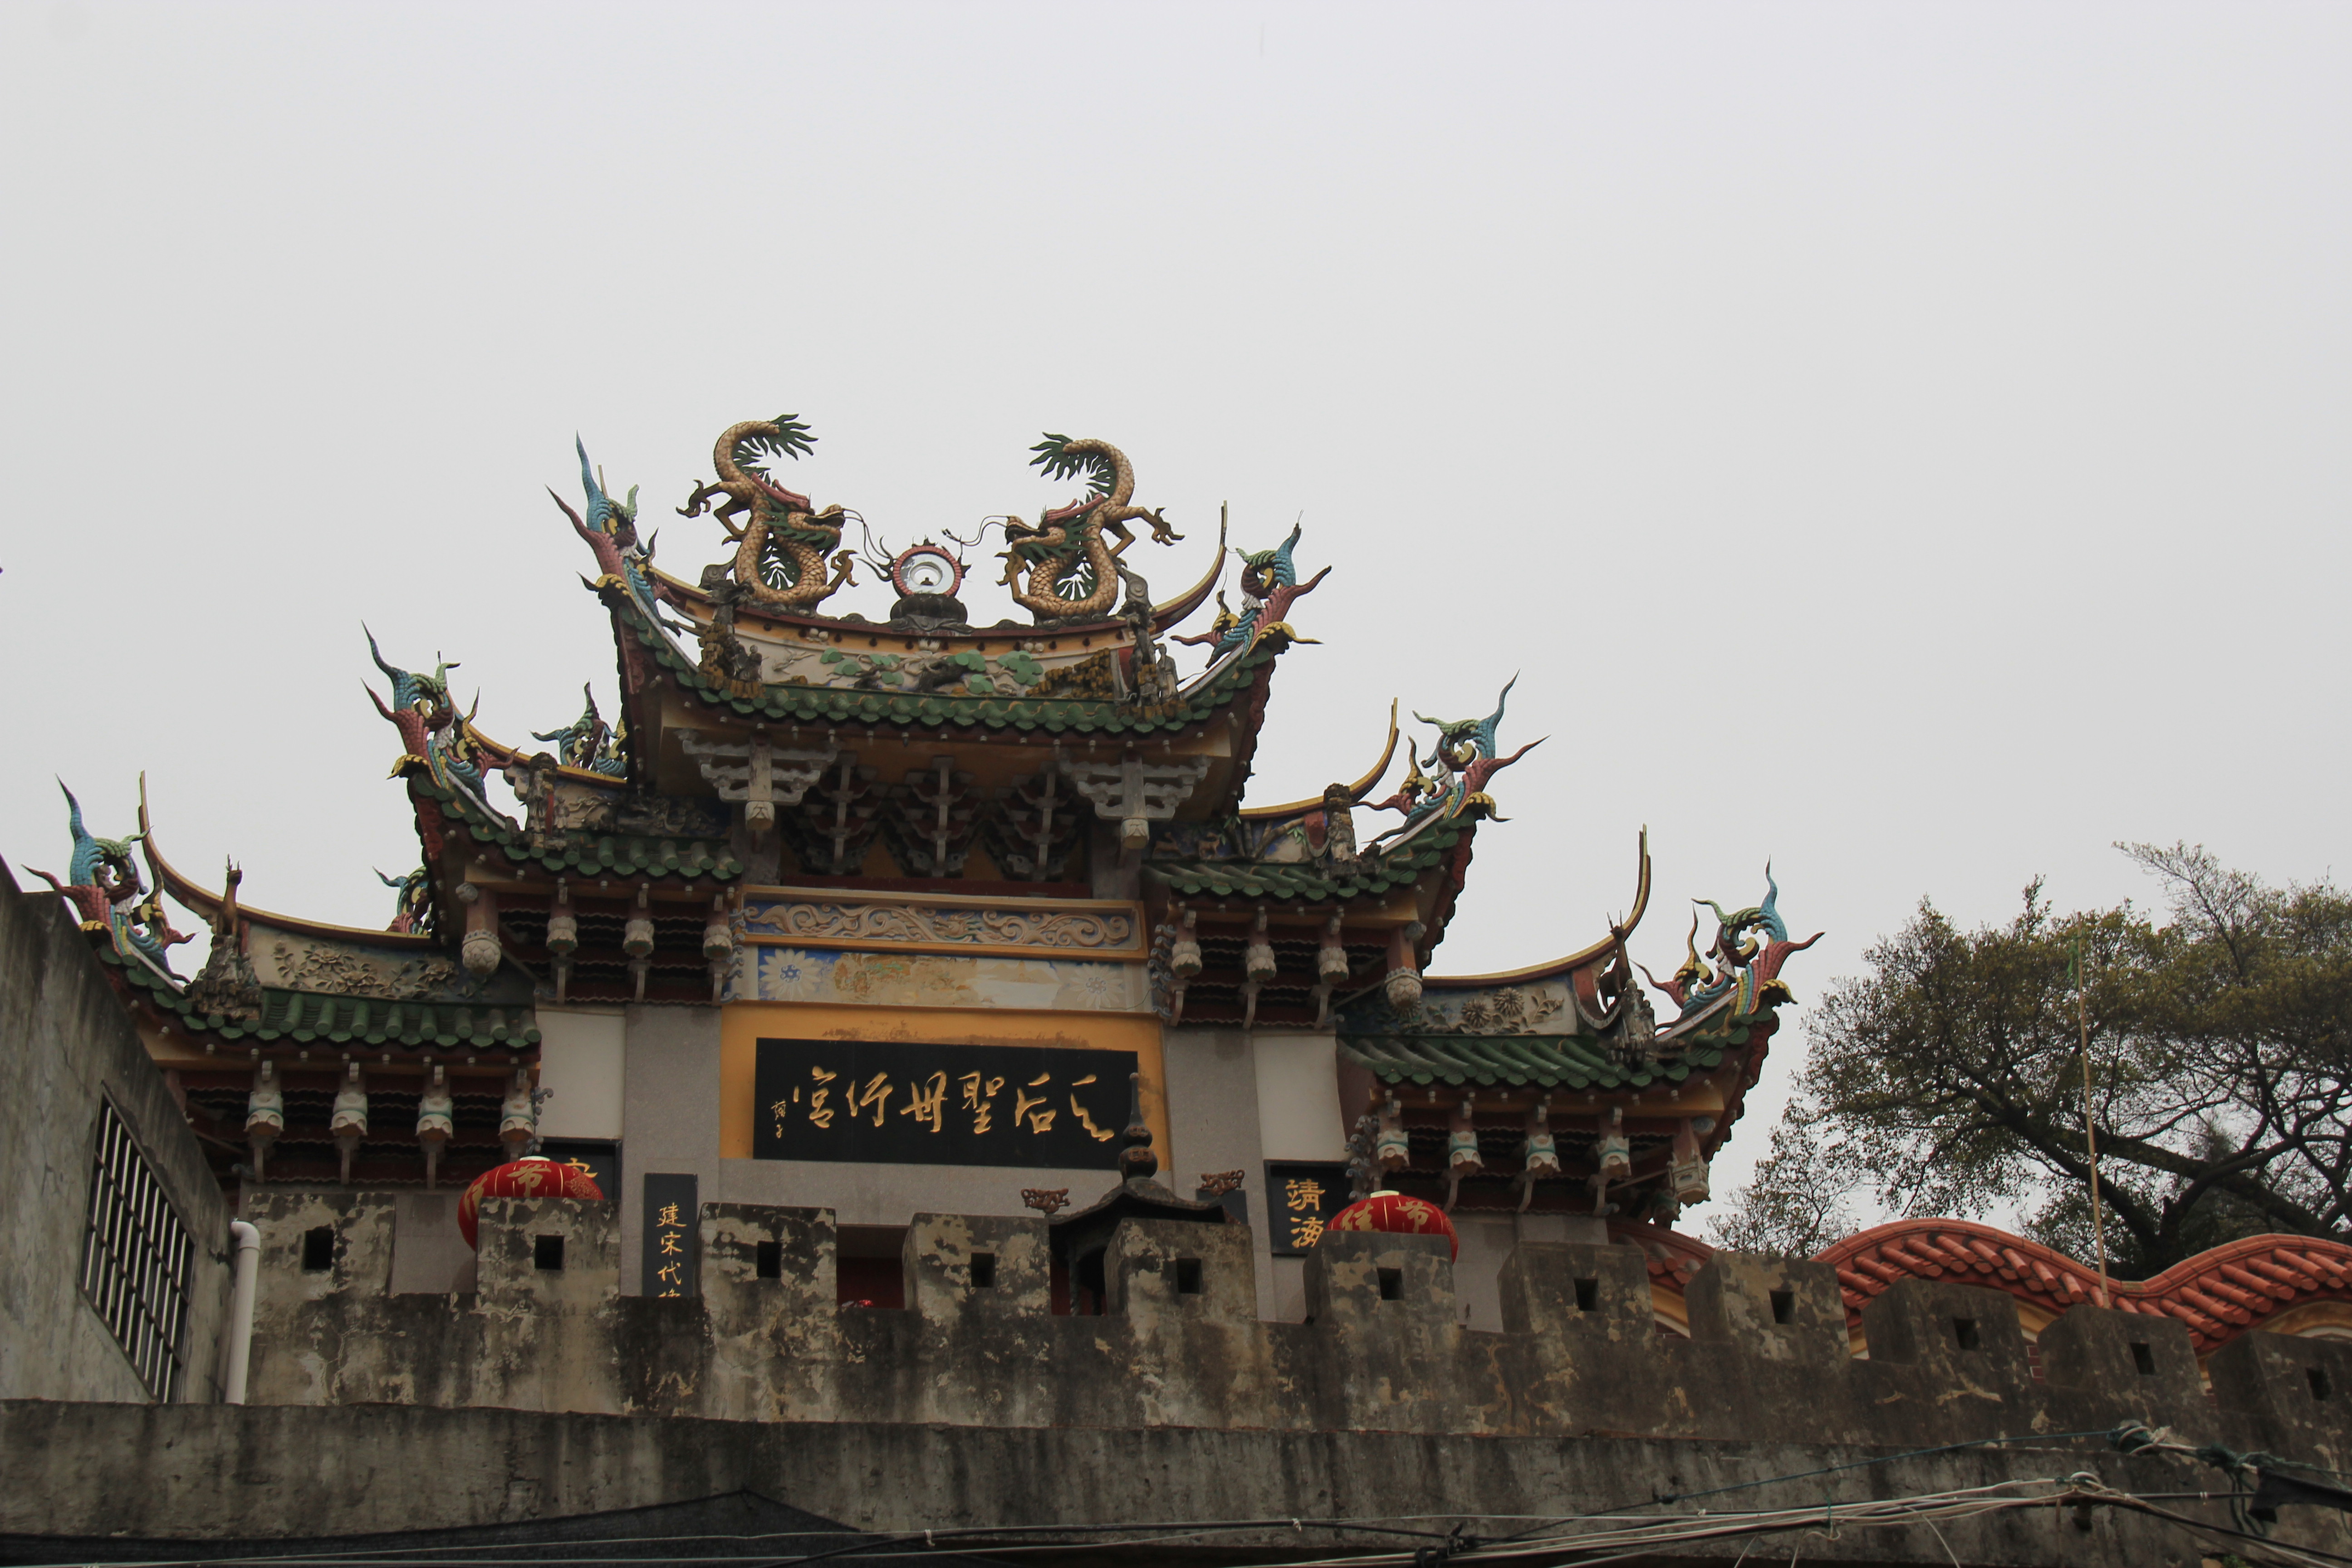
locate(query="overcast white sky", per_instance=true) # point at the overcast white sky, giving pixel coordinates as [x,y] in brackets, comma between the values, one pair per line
[1906,441]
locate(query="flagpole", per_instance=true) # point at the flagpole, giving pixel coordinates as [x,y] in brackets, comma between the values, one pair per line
[2090,1135]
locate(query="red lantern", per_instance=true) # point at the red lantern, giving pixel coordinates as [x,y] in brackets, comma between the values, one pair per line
[536,1177]
[1396,1215]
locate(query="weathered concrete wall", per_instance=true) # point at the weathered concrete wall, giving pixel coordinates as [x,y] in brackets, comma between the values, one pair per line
[1384,1348]
[1487,1242]
[65,1046]
[1213,1121]
[669,1117]
[265,1472]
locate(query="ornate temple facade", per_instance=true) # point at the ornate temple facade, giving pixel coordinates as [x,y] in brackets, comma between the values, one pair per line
[915,914]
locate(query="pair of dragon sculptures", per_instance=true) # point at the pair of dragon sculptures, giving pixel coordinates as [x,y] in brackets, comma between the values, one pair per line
[789,555]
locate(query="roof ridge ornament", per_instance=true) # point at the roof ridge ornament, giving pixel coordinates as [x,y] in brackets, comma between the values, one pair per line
[587,743]
[1465,755]
[1270,585]
[610,530]
[1737,965]
[1061,570]
[783,547]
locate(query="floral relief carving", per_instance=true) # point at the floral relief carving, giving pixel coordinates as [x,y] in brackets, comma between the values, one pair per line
[323,969]
[1513,1010]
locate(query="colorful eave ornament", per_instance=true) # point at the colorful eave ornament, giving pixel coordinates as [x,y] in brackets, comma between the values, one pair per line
[1562,1070]
[1303,859]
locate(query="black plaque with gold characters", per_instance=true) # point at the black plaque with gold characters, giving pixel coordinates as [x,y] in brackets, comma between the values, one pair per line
[892,1102]
[1300,1198]
[673,1232]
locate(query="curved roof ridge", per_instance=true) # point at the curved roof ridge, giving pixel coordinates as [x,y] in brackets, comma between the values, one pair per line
[1552,968]
[195,895]
[1357,790]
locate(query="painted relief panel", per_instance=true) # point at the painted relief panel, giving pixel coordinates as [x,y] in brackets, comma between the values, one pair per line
[1540,1008]
[1098,930]
[940,980]
[899,1102]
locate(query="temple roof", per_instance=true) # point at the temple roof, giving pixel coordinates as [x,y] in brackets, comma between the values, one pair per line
[630,855]
[1575,1061]
[1077,712]
[1306,880]
[329,1018]
[273,978]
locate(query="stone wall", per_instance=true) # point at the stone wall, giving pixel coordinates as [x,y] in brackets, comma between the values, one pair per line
[67,1048]
[1384,1347]
[106,1478]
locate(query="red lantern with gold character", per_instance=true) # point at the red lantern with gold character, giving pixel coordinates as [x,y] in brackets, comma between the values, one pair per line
[1396,1215]
[535,1178]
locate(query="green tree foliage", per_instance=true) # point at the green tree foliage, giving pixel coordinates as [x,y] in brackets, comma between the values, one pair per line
[1947,1080]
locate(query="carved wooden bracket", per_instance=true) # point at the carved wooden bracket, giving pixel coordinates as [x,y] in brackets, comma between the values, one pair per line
[759,775]
[1135,794]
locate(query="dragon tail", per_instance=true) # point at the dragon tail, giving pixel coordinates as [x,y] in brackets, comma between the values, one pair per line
[600,505]
[1493,725]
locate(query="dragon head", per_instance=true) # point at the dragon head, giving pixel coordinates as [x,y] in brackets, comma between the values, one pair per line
[1456,742]
[1731,940]
[582,741]
[94,857]
[412,900]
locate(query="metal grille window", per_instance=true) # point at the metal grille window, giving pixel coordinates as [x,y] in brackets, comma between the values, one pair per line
[136,1258]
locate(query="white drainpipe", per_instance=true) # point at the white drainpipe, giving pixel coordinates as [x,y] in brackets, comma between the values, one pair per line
[248,1239]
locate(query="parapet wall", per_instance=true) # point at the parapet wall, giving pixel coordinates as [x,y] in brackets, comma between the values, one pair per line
[1182,1345]
[70,1057]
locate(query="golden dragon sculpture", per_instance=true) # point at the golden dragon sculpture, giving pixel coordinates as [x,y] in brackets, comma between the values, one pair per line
[781,551]
[1061,570]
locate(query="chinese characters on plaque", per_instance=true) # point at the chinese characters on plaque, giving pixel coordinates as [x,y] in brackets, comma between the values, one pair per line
[673,1227]
[1300,1199]
[897,1103]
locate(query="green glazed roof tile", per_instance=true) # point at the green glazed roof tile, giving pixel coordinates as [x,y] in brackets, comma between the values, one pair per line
[612,854]
[302,1017]
[1308,880]
[1551,1061]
